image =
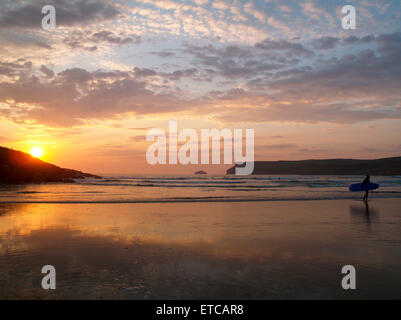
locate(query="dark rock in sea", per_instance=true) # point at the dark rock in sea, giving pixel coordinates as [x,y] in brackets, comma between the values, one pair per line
[200,172]
[378,167]
[18,167]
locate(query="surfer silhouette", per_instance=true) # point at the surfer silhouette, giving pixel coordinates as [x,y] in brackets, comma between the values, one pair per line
[364,182]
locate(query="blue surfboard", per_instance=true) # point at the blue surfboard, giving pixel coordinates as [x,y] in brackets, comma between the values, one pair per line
[368,186]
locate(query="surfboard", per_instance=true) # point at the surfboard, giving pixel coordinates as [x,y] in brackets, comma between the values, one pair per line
[368,186]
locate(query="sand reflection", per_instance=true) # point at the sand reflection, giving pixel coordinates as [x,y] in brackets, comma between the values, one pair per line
[210,250]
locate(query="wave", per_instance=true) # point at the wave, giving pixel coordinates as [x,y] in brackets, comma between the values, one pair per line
[191,200]
[28,192]
[157,188]
[166,200]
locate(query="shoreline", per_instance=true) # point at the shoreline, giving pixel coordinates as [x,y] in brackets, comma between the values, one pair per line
[194,201]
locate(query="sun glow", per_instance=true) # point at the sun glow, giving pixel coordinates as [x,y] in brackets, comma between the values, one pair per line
[37,152]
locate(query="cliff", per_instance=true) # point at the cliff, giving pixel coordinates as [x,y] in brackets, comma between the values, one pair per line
[378,167]
[17,167]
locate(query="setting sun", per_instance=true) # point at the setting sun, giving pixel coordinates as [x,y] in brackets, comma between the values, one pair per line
[37,152]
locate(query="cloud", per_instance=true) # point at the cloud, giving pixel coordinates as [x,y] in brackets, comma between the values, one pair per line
[163,54]
[315,150]
[285,47]
[174,75]
[139,138]
[279,25]
[144,72]
[307,113]
[234,61]
[178,74]
[89,41]
[75,95]
[353,40]
[75,75]
[68,13]
[363,86]
[18,41]
[362,75]
[108,36]
[141,128]
[272,81]
[325,43]
[314,11]
[254,12]
[200,2]
[16,68]
[47,71]
[221,5]
[279,146]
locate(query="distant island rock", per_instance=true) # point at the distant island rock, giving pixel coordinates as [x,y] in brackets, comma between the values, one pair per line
[200,172]
[18,167]
[377,167]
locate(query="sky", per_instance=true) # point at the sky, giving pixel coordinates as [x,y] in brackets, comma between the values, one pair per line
[88,91]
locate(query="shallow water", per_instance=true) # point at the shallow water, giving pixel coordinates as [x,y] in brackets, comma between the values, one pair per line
[120,189]
[227,250]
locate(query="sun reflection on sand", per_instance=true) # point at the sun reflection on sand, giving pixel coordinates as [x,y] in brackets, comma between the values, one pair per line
[180,249]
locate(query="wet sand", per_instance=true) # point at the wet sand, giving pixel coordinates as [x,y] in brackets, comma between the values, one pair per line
[227,250]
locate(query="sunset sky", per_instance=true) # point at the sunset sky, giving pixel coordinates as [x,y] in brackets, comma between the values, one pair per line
[88,91]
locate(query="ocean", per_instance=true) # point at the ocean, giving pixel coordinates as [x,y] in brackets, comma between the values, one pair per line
[209,188]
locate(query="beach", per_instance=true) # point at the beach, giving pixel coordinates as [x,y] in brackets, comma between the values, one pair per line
[283,249]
